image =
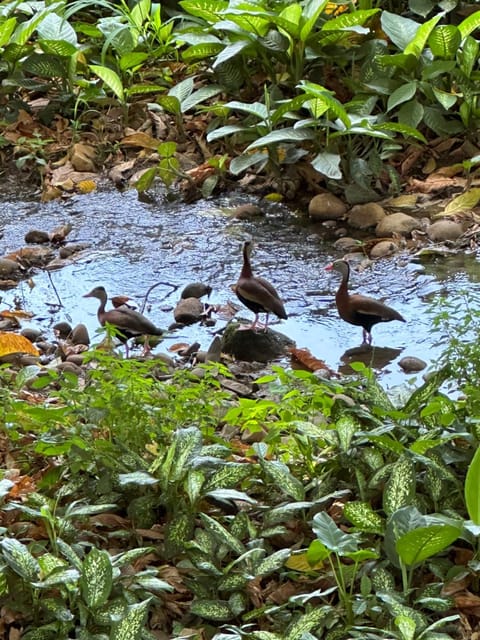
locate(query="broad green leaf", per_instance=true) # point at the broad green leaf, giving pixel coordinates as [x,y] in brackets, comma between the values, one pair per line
[58,48]
[140,12]
[400,30]
[209,10]
[400,487]
[325,96]
[53,27]
[317,552]
[468,55]
[347,21]
[183,89]
[6,30]
[417,44]
[290,19]
[110,78]
[328,164]
[445,98]
[331,536]
[265,635]
[45,65]
[132,623]
[410,113]
[465,202]
[230,494]
[201,51]
[469,24]
[311,13]
[444,41]
[132,59]
[146,180]
[227,130]
[286,135]
[177,533]
[228,475]
[472,488]
[230,52]
[402,94]
[256,109]
[416,546]
[404,129]
[346,427]
[96,580]
[19,558]
[243,162]
[203,94]
[130,556]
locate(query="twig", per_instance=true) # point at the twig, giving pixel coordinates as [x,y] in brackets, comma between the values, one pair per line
[174,287]
[60,303]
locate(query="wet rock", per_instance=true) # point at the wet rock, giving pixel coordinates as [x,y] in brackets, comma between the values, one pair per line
[364,216]
[62,330]
[80,335]
[396,223]
[411,364]
[31,334]
[69,367]
[236,387]
[383,249]
[326,206]
[345,244]
[35,236]
[444,230]
[196,290]
[251,345]
[8,267]
[70,249]
[246,211]
[188,311]
[75,358]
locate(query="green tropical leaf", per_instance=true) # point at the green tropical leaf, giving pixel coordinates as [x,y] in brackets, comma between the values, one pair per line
[331,536]
[400,30]
[171,104]
[229,475]
[471,23]
[230,52]
[306,622]
[416,546]
[110,78]
[54,27]
[273,563]
[132,624]
[45,65]
[402,94]
[6,29]
[211,610]
[203,94]
[256,109]
[363,517]
[404,129]
[328,164]
[209,10]
[19,558]
[202,51]
[417,44]
[286,135]
[129,557]
[222,535]
[283,479]
[244,162]
[472,492]
[177,533]
[97,578]
[445,40]
[400,487]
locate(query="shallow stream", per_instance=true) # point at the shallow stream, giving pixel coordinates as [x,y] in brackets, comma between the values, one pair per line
[134,245]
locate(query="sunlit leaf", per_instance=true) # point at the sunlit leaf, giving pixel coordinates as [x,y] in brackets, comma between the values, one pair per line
[14,343]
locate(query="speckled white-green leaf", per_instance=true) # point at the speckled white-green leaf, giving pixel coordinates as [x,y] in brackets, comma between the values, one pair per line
[400,487]
[211,610]
[128,557]
[273,562]
[266,635]
[19,558]
[221,534]
[96,580]
[283,479]
[306,622]
[131,626]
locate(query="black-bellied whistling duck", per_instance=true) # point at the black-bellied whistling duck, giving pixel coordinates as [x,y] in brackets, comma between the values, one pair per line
[257,294]
[130,323]
[196,290]
[122,301]
[359,310]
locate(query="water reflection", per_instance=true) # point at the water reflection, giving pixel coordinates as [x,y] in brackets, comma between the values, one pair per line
[134,244]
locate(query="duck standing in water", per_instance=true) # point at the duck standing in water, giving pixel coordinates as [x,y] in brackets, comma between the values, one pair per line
[128,322]
[256,293]
[357,309]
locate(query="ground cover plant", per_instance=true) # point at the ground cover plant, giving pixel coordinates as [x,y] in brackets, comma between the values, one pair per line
[132,507]
[302,92]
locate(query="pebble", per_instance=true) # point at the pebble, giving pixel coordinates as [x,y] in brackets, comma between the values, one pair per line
[410,364]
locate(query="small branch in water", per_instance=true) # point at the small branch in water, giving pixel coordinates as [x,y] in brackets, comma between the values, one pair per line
[174,287]
[60,303]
